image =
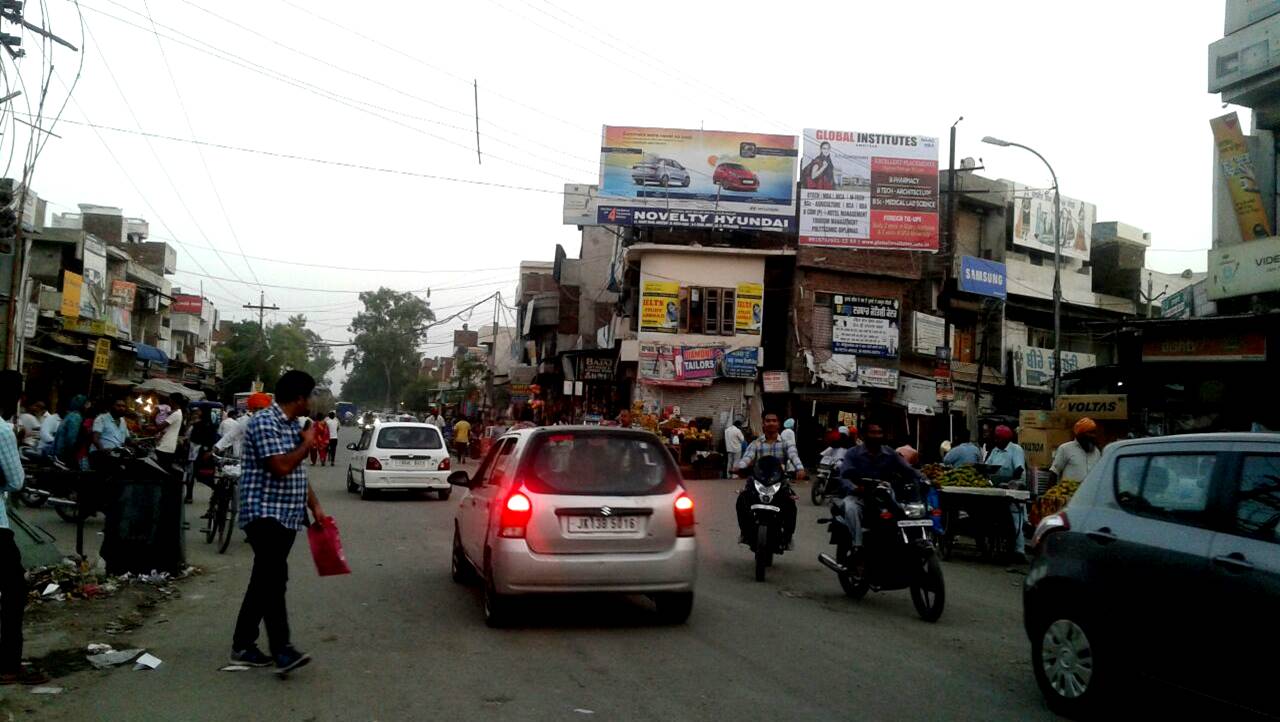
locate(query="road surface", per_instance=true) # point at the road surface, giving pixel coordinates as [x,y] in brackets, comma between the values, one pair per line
[397,640]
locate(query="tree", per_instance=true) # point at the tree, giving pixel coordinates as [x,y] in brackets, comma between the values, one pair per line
[249,355]
[419,395]
[383,357]
[294,346]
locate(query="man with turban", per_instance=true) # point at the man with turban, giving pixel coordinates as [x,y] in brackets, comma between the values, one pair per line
[1075,459]
[1012,463]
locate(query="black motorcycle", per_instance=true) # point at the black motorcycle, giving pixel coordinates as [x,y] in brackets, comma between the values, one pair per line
[825,485]
[897,551]
[769,486]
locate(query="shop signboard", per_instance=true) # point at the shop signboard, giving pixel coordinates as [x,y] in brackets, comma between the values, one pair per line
[869,190]
[945,388]
[918,391]
[1244,269]
[660,364]
[1099,407]
[595,368]
[1228,347]
[698,363]
[123,293]
[187,303]
[741,363]
[983,277]
[1033,366]
[865,326]
[776,382]
[750,308]
[927,332]
[877,377]
[660,306]
[89,327]
[102,355]
[72,285]
[1177,305]
[1033,214]
[1242,180]
[519,393]
[697,179]
[93,295]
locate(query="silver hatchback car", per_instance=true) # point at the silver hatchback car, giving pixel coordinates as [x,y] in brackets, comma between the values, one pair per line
[576,509]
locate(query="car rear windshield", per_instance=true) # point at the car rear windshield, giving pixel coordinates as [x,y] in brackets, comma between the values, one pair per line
[735,166]
[409,437]
[599,463]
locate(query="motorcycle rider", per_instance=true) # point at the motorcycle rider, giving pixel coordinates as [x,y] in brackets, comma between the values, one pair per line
[871,460]
[771,444]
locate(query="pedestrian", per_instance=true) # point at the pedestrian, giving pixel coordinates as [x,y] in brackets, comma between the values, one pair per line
[462,438]
[964,452]
[435,419]
[624,418]
[13,582]
[1075,459]
[68,436]
[733,443]
[321,448]
[49,432]
[110,430]
[169,429]
[274,499]
[229,421]
[1012,463]
[84,440]
[231,434]
[29,423]
[201,439]
[334,427]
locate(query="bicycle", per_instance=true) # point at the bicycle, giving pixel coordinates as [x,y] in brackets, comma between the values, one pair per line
[224,504]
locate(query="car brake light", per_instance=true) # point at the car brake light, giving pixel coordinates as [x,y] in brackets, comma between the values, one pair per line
[684,516]
[372,464]
[444,464]
[1051,523]
[515,516]
[886,515]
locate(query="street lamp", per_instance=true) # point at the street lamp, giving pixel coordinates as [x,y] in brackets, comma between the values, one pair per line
[1057,261]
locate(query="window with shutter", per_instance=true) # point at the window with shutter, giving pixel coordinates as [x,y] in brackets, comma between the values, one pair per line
[730,311]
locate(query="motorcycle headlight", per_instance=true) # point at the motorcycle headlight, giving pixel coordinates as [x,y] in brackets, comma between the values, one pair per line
[914,511]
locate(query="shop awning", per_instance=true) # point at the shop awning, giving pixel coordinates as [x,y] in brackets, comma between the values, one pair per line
[165,386]
[147,352]
[61,356]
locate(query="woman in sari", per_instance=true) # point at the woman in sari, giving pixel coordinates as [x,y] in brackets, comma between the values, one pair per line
[321,447]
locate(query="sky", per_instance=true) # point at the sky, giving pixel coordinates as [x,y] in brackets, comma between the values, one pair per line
[383,93]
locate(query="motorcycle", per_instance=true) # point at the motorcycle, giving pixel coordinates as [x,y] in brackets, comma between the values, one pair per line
[824,483]
[765,536]
[898,550]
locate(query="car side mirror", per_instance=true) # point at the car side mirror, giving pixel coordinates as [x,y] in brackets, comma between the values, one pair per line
[351,447]
[460,478]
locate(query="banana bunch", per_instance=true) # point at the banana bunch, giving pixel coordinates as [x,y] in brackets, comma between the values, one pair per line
[1061,492]
[933,471]
[963,476]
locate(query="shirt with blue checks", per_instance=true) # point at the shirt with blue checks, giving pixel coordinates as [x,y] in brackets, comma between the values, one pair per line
[11,466]
[262,494]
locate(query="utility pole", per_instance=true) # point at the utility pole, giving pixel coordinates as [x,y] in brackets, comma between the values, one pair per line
[262,309]
[948,257]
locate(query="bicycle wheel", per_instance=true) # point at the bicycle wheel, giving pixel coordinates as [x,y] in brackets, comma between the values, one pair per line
[229,527]
[217,510]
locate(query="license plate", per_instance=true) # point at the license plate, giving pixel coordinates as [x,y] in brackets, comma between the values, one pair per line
[413,463]
[598,524]
[916,522]
[766,507]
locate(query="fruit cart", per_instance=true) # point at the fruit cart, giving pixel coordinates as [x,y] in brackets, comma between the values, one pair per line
[973,508]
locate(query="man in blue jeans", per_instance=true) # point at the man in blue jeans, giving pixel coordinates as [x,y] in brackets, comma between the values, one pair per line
[13,583]
[274,498]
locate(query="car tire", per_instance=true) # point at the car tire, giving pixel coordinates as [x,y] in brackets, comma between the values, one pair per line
[365,492]
[685,184]
[444,494]
[674,607]
[351,482]
[497,607]
[664,181]
[1062,632]
[460,570]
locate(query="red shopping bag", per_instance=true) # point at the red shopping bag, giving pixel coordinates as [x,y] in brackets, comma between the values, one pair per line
[326,548]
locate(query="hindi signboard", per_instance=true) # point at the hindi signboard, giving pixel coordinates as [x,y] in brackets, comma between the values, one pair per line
[865,326]
[741,363]
[1033,366]
[869,190]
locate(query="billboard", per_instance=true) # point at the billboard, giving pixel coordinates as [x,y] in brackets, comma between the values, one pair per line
[1244,269]
[696,179]
[869,190]
[1033,215]
[660,306]
[699,363]
[983,277]
[187,303]
[927,333]
[1033,366]
[1242,180]
[740,363]
[750,308]
[864,326]
[72,287]
[93,297]
[1230,347]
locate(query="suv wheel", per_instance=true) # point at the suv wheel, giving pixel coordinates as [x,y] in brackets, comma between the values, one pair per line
[1063,658]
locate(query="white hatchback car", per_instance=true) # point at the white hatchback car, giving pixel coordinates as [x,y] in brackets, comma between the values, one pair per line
[401,456]
[576,509]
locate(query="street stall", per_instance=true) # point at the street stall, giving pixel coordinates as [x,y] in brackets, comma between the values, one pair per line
[973,506]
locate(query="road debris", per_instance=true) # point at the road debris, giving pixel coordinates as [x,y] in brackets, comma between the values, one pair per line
[107,660]
[147,661]
[46,690]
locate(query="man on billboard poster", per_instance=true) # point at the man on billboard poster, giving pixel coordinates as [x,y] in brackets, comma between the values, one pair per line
[820,173]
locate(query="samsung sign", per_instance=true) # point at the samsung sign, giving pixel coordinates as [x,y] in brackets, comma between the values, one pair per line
[985,278]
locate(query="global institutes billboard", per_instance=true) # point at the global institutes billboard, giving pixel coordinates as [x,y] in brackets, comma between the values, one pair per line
[856,190]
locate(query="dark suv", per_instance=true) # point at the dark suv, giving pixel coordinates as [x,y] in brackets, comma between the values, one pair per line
[1165,563]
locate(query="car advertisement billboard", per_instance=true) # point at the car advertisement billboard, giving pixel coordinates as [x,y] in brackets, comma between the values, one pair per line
[1033,214]
[869,190]
[696,179]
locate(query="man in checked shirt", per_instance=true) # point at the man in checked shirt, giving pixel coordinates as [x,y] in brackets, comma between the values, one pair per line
[771,444]
[274,498]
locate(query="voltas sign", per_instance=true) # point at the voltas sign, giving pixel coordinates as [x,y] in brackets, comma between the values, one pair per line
[1095,406]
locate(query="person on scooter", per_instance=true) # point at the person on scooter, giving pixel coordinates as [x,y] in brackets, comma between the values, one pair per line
[771,444]
[872,460]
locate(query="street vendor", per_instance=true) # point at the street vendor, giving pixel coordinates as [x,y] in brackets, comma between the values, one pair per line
[1075,459]
[963,452]
[1012,463]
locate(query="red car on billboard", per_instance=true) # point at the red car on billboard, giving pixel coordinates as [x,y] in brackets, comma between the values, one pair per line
[735,177]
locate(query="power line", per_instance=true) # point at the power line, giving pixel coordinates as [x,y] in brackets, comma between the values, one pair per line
[338,290]
[350,268]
